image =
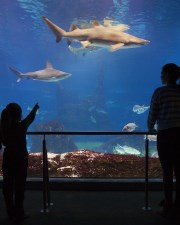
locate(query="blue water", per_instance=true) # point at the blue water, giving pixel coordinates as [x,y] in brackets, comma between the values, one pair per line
[104,86]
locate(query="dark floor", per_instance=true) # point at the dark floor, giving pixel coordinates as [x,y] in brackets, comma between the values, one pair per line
[91,208]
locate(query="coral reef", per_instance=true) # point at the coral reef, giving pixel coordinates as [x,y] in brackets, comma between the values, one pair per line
[86,163]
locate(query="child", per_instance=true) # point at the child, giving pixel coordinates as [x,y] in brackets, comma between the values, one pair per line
[15,157]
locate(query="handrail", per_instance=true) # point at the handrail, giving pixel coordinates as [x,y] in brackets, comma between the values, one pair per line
[46,191]
[89,133]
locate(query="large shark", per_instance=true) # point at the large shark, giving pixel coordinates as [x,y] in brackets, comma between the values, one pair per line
[49,74]
[98,35]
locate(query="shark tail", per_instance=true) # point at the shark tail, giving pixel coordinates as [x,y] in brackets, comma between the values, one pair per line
[17,73]
[58,32]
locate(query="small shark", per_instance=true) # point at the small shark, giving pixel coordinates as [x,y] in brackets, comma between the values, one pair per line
[49,74]
[111,37]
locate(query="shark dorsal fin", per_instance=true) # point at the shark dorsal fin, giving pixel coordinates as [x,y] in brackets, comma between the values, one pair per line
[120,27]
[95,23]
[107,22]
[73,27]
[48,65]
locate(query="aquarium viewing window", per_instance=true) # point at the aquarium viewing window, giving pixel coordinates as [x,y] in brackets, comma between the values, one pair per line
[124,162]
[91,66]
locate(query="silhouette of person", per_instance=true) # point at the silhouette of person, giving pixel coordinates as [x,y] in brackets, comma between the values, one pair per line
[15,157]
[165,112]
[0,137]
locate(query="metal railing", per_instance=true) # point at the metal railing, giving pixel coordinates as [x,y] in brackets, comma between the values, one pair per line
[46,191]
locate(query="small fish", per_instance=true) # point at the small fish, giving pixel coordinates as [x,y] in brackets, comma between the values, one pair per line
[82,50]
[151,137]
[93,120]
[111,104]
[49,74]
[139,109]
[129,127]
[101,111]
[91,108]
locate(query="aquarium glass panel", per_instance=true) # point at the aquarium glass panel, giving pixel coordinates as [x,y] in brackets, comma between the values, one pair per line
[92,66]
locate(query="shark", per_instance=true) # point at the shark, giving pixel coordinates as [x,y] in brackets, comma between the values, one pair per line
[102,36]
[49,74]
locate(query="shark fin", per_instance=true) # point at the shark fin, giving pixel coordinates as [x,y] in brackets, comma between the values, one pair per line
[58,39]
[73,27]
[58,32]
[85,44]
[48,65]
[95,23]
[120,27]
[17,73]
[116,47]
[107,22]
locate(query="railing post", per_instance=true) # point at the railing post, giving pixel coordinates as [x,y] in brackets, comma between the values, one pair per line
[146,207]
[45,209]
[49,203]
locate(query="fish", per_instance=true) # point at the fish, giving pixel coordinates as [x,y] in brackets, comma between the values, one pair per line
[82,50]
[118,149]
[111,103]
[139,109]
[91,108]
[49,74]
[151,137]
[99,110]
[97,35]
[130,150]
[93,120]
[129,127]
